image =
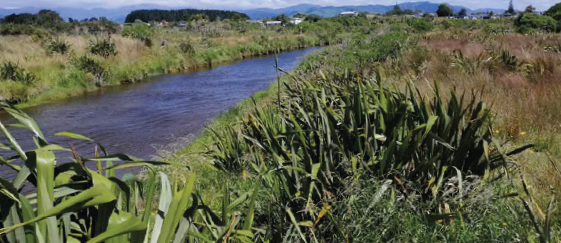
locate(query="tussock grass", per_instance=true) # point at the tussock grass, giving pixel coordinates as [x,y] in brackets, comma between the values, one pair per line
[522,89]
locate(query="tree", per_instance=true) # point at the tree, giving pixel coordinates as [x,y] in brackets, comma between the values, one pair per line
[463,12]
[526,23]
[510,8]
[395,11]
[48,16]
[198,17]
[236,17]
[313,18]
[180,15]
[530,9]
[444,10]
[407,12]
[428,15]
[299,15]
[554,12]
[282,18]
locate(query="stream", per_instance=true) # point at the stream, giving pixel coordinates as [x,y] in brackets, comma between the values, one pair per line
[143,118]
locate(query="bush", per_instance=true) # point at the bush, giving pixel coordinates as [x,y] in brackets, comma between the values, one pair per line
[104,48]
[19,29]
[90,65]
[139,31]
[187,47]
[386,46]
[554,12]
[12,71]
[422,25]
[58,46]
[399,27]
[527,23]
[495,29]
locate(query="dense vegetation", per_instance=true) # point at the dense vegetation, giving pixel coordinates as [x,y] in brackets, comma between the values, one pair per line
[403,130]
[182,15]
[83,56]
[47,22]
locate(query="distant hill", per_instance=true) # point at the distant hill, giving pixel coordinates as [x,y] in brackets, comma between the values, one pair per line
[261,13]
[119,14]
[331,11]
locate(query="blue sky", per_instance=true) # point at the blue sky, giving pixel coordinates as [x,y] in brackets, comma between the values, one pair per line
[244,4]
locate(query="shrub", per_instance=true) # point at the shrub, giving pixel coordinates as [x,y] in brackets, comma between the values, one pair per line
[527,23]
[554,12]
[139,31]
[187,47]
[12,71]
[386,46]
[58,46]
[90,65]
[334,131]
[104,48]
[399,27]
[495,29]
[422,25]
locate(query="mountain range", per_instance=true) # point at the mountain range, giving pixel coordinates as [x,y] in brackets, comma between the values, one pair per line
[330,11]
[119,14]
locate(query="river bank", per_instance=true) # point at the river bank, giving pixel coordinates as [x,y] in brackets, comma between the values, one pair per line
[63,80]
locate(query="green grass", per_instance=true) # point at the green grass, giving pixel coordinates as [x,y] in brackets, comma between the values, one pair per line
[124,60]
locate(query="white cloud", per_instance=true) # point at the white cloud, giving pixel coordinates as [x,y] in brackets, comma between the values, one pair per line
[244,4]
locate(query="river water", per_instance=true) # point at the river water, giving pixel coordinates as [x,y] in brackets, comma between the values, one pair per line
[140,119]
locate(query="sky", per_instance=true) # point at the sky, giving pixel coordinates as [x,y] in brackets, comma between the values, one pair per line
[246,4]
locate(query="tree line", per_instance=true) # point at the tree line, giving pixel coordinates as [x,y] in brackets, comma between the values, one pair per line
[182,15]
[50,21]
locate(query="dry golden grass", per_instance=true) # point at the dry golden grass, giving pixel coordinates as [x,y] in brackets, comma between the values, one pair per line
[526,100]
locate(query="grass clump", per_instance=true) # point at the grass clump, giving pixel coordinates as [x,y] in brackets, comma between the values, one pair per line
[104,48]
[10,71]
[187,47]
[58,46]
[91,66]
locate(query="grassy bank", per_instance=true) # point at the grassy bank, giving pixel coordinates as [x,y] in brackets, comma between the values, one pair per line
[131,59]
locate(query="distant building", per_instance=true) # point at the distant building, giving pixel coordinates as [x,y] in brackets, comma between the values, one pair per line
[478,16]
[258,21]
[458,17]
[296,21]
[349,14]
[163,23]
[273,23]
